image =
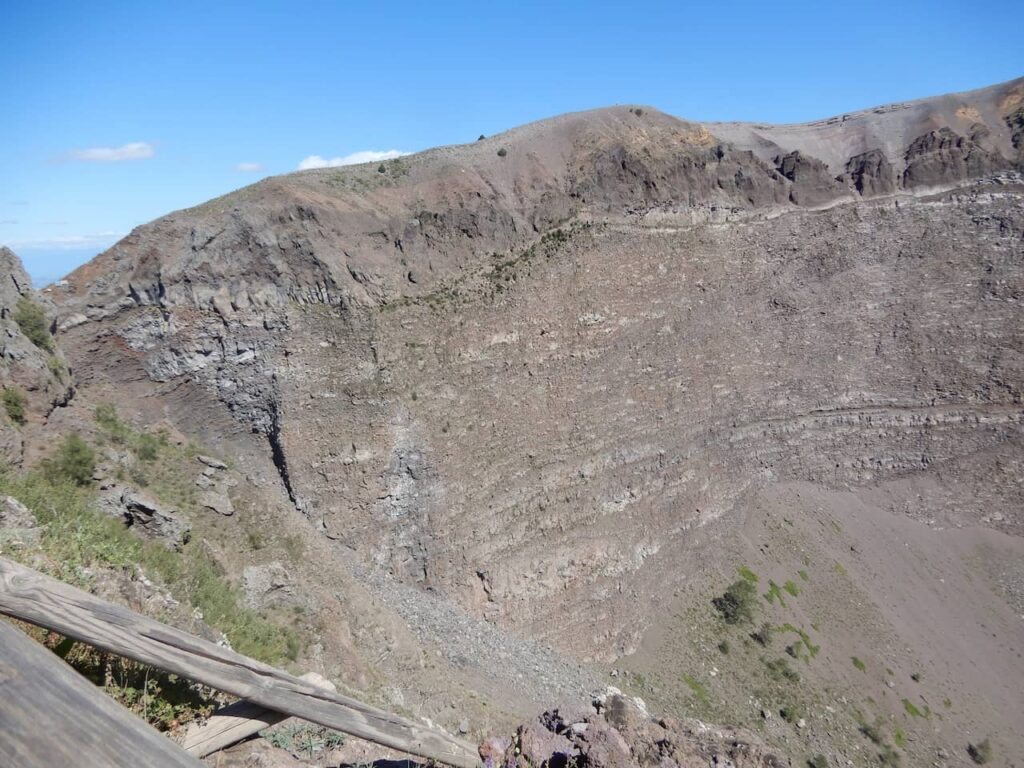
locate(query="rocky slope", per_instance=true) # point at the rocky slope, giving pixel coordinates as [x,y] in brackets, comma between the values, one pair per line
[33,371]
[549,375]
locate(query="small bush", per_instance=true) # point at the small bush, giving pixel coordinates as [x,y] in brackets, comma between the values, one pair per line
[859,664]
[723,647]
[31,319]
[981,752]
[763,636]
[888,757]
[748,574]
[56,367]
[481,137]
[303,740]
[737,603]
[792,588]
[382,168]
[779,669]
[818,761]
[872,732]
[148,447]
[14,404]
[502,152]
[790,713]
[106,417]
[74,461]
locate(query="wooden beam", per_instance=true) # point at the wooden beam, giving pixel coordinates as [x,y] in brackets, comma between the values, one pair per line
[39,599]
[50,715]
[235,722]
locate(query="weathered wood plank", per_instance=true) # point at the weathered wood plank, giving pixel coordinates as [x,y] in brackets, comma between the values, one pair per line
[39,599]
[51,716]
[236,722]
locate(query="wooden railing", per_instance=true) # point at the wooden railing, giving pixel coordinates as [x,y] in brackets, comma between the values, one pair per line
[38,599]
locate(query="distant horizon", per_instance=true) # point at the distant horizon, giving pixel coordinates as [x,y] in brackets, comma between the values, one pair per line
[120,116]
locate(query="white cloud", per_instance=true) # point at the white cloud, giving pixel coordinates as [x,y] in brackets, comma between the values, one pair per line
[366,156]
[138,150]
[249,167]
[70,242]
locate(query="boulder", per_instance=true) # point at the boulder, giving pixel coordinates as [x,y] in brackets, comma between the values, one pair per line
[218,502]
[153,520]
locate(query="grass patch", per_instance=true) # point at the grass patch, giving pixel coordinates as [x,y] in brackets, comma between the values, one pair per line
[913,711]
[748,575]
[774,593]
[698,689]
[77,538]
[14,404]
[859,664]
[899,738]
[803,575]
[780,670]
[840,569]
[31,319]
[792,588]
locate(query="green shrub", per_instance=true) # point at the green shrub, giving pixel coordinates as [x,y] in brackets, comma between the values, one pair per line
[737,603]
[859,664]
[790,713]
[888,757]
[763,636]
[148,447]
[74,461]
[779,669]
[303,740]
[31,319]
[107,419]
[981,752]
[14,404]
[56,367]
[791,587]
[502,152]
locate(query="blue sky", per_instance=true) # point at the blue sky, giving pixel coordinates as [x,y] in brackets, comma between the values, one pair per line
[115,113]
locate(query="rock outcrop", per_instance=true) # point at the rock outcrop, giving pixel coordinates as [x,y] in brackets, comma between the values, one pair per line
[33,372]
[617,732]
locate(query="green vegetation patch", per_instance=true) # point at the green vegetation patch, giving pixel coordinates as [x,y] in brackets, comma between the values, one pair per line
[14,404]
[77,538]
[31,319]
[303,741]
[774,593]
[748,574]
[981,753]
[73,462]
[859,664]
[698,689]
[913,711]
[737,603]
